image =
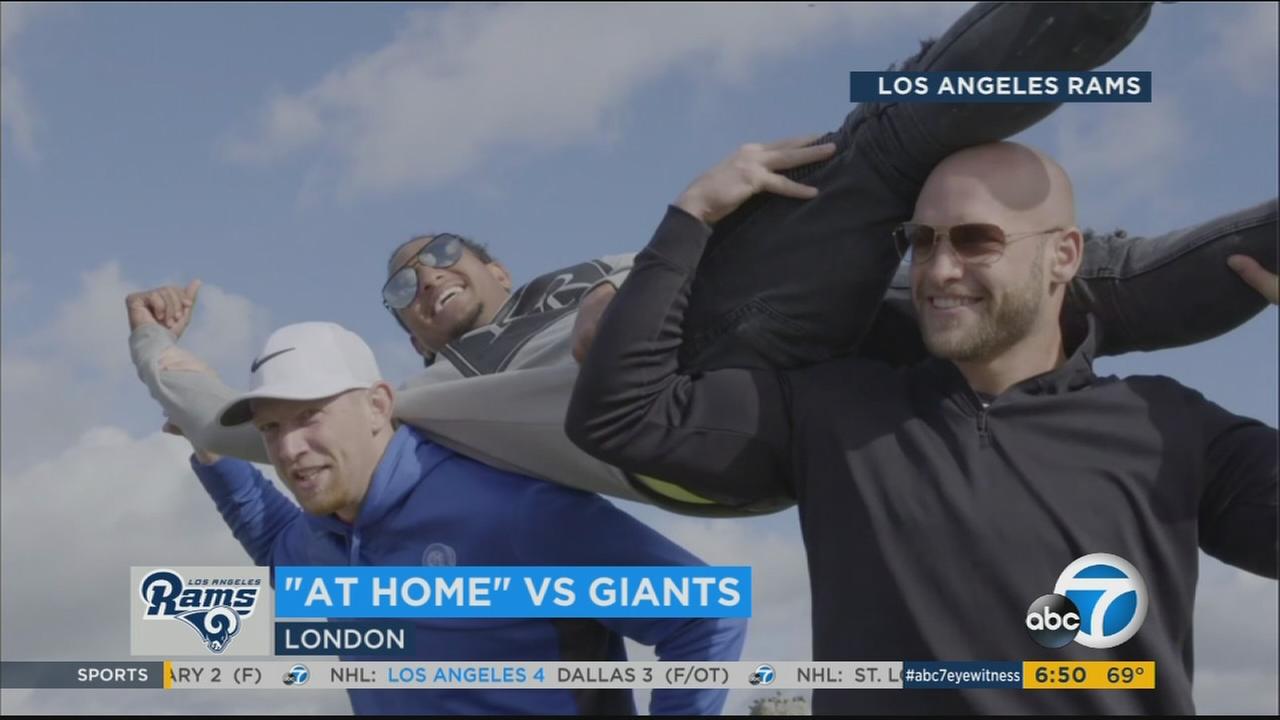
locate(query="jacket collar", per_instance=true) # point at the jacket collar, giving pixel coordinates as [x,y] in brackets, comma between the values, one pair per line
[1077,372]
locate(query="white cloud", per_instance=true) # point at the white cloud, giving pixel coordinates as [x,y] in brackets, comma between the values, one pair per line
[12,287]
[1245,46]
[45,404]
[1236,641]
[17,114]
[1236,692]
[91,328]
[14,16]
[81,519]
[72,527]
[76,373]
[93,325]
[1121,156]
[459,86]
[227,332]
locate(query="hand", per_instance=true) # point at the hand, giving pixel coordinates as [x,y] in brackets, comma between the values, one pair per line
[1258,277]
[590,310]
[171,307]
[205,458]
[748,171]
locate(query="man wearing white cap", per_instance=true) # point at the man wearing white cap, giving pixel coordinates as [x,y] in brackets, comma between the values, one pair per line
[378,493]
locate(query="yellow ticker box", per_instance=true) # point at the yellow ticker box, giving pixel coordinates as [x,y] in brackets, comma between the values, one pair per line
[1089,675]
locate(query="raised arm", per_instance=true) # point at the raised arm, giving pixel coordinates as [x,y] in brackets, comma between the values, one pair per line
[1238,515]
[1238,503]
[723,434]
[187,389]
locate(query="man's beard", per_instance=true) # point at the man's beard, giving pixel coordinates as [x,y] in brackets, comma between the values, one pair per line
[995,331]
[469,322]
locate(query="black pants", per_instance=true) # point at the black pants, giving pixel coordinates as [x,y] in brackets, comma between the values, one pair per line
[787,282]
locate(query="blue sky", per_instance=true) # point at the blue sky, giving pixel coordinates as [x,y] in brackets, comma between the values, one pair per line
[279,152]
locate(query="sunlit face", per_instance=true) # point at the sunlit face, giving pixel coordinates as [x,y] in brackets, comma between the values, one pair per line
[323,450]
[972,312]
[452,301]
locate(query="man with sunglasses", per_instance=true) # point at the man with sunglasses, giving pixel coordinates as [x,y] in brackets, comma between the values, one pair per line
[516,350]
[770,291]
[937,502]
[451,308]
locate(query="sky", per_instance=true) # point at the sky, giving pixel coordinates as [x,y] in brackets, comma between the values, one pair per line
[280,152]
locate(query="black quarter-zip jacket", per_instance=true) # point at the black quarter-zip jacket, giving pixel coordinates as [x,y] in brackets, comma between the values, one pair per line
[932,522]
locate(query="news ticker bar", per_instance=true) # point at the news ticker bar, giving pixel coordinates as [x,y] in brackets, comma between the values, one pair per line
[332,675]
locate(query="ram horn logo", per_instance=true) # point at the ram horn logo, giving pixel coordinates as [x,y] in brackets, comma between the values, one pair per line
[216,626]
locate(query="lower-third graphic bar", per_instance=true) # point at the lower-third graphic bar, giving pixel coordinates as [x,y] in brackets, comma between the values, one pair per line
[961,675]
[68,675]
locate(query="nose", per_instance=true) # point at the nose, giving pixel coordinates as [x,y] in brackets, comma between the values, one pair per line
[290,445]
[945,265]
[429,277]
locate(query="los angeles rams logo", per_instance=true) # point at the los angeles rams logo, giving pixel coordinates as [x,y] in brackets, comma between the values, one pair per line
[212,607]
[216,626]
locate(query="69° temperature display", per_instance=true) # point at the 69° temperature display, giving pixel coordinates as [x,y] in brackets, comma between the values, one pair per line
[1091,675]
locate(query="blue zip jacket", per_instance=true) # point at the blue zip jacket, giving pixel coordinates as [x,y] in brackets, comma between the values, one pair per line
[424,496]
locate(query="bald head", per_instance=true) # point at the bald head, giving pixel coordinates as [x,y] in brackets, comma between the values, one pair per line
[993,305]
[1004,183]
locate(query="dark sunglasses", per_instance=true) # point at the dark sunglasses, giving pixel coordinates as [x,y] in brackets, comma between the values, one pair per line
[444,250]
[974,243]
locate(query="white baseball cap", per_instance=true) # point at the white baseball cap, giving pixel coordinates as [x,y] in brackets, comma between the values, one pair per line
[306,361]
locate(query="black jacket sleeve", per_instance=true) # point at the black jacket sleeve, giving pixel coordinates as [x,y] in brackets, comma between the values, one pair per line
[722,434]
[1238,503]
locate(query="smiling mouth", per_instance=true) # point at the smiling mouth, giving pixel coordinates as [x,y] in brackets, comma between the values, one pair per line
[307,477]
[951,302]
[445,297]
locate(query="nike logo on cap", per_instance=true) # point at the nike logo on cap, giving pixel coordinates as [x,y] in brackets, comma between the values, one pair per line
[258,363]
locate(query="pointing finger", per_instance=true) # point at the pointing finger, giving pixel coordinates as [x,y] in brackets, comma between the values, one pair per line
[780,185]
[795,157]
[1259,278]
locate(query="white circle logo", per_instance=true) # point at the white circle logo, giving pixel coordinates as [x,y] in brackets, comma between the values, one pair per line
[439,555]
[1111,596]
[297,675]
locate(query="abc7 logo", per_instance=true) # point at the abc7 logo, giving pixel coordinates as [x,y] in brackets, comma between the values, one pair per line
[297,675]
[1100,601]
